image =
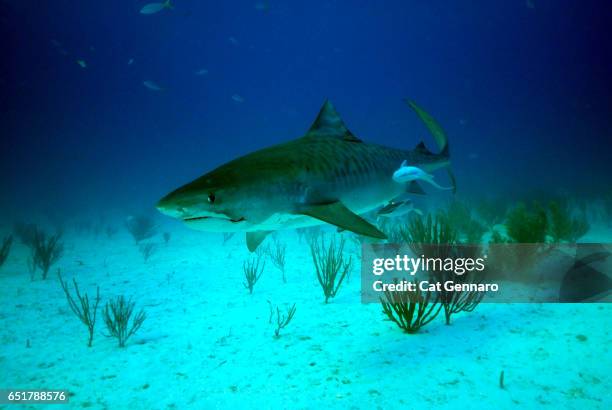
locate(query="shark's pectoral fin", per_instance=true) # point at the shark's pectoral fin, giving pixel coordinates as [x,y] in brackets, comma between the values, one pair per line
[414,188]
[337,214]
[254,238]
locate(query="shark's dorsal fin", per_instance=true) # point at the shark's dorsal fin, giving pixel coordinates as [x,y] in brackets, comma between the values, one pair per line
[329,124]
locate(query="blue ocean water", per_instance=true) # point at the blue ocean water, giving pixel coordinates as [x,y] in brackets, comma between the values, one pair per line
[105,110]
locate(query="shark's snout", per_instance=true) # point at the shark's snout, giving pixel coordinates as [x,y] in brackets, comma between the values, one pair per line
[173,205]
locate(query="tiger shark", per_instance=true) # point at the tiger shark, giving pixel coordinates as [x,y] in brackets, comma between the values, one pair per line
[326,176]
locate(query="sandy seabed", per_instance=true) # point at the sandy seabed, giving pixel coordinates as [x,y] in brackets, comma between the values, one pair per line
[207,343]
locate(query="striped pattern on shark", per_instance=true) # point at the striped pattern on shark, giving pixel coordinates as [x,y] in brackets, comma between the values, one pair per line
[328,175]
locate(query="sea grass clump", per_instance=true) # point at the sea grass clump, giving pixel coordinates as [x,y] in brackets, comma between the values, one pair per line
[502,258]
[141,227]
[147,250]
[26,233]
[529,233]
[526,235]
[330,264]
[5,248]
[119,321]
[410,310]
[253,271]
[277,254]
[392,229]
[283,319]
[527,225]
[84,310]
[463,220]
[421,232]
[45,252]
[437,238]
[491,210]
[563,225]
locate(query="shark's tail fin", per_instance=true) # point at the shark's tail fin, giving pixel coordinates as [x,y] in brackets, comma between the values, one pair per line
[439,135]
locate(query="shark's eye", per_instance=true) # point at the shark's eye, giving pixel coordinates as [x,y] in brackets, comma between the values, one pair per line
[211,198]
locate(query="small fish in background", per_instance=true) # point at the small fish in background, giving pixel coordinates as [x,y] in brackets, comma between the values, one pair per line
[58,46]
[233,41]
[130,61]
[530,4]
[152,85]
[202,71]
[82,63]
[153,8]
[237,98]
[473,155]
[262,6]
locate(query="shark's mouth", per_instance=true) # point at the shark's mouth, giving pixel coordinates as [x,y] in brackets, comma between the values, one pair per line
[201,218]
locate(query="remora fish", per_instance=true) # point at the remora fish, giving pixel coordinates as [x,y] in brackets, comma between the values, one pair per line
[407,173]
[328,175]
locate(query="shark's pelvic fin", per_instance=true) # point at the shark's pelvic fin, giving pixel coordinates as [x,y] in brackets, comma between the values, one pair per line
[254,238]
[337,214]
[329,124]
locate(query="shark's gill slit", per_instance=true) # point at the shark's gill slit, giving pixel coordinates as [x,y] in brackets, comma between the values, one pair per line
[197,218]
